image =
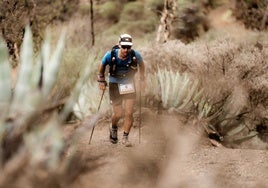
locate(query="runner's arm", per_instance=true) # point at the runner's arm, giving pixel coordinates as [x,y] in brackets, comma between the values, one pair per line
[102,66]
[101,70]
[101,77]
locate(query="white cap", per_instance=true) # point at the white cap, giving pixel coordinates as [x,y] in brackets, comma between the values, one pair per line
[125,39]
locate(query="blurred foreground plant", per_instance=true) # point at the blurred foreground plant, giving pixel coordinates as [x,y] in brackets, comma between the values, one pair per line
[31,134]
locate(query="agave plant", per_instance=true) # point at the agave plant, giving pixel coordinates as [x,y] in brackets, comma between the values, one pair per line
[177,91]
[5,81]
[30,129]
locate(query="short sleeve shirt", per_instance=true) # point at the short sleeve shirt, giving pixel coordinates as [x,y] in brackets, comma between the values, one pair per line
[121,66]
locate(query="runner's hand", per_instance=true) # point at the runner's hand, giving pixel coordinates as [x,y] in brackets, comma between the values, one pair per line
[102,81]
[102,85]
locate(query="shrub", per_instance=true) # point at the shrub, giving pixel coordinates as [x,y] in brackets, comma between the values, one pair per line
[15,15]
[110,11]
[190,24]
[231,75]
[132,11]
[252,13]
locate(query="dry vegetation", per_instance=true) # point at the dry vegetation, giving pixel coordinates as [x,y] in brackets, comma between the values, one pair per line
[232,75]
[15,15]
[208,84]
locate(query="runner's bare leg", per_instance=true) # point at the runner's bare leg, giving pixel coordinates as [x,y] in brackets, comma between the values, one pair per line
[129,108]
[117,114]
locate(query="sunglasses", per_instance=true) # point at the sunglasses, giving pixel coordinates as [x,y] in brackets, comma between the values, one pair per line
[125,47]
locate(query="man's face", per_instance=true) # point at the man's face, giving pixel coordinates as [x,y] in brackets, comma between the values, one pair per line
[125,50]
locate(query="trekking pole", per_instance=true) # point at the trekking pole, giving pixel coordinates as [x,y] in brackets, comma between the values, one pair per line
[140,114]
[103,91]
[139,106]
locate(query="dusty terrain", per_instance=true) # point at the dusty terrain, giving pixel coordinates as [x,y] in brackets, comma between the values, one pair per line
[173,152]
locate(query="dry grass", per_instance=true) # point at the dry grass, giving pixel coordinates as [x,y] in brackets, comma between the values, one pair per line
[231,73]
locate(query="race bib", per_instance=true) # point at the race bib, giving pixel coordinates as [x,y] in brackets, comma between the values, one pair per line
[126,88]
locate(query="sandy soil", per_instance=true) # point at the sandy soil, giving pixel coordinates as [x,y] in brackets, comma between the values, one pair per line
[173,152]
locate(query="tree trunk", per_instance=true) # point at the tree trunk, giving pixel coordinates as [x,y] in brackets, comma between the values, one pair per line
[92,23]
[166,21]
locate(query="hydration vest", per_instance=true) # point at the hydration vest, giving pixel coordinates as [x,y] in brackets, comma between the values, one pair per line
[131,66]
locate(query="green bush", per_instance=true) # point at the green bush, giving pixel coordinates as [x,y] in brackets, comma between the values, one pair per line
[132,11]
[139,28]
[137,20]
[84,9]
[110,11]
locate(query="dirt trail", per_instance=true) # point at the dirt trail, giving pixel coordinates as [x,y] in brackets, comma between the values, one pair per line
[173,152]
